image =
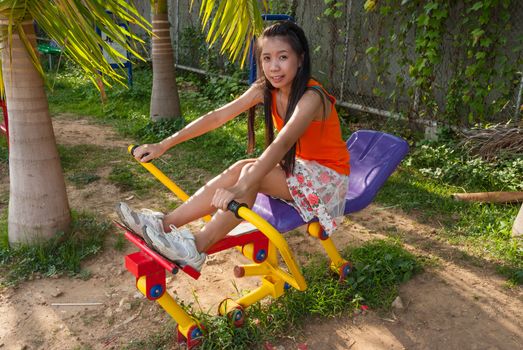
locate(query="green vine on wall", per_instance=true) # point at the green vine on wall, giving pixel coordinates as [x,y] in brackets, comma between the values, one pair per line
[333,8]
[332,14]
[481,75]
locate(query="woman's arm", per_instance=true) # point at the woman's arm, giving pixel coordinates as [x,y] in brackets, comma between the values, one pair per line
[308,108]
[202,125]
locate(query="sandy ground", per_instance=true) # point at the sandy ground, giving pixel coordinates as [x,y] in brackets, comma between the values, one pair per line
[454,305]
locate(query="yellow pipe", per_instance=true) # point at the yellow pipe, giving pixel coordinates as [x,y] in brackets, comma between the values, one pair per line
[166,181]
[332,252]
[337,261]
[255,269]
[285,276]
[254,296]
[296,280]
[227,306]
[272,256]
[185,322]
[314,229]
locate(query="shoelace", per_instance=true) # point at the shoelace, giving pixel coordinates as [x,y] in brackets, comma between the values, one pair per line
[175,232]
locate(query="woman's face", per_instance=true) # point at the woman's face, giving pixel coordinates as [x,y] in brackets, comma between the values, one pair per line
[279,62]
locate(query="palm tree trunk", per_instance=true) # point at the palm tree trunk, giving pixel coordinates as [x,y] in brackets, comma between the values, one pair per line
[38,206]
[165,102]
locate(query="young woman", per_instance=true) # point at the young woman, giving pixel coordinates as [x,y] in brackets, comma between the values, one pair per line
[306,164]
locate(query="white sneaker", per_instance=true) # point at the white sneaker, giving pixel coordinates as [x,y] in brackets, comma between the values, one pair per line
[177,245]
[136,220]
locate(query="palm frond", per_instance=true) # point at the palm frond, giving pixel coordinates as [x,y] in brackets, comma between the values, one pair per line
[75,25]
[235,22]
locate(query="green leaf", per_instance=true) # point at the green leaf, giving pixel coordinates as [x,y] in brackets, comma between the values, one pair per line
[72,25]
[480,55]
[485,42]
[478,5]
[430,7]
[236,22]
[423,20]
[371,50]
[476,35]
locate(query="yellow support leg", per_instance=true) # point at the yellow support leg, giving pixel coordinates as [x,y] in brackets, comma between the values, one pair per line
[339,265]
[268,287]
[336,260]
[183,319]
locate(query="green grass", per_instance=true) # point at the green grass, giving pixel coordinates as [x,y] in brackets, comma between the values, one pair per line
[87,158]
[484,229]
[4,153]
[132,177]
[380,266]
[127,111]
[60,255]
[81,163]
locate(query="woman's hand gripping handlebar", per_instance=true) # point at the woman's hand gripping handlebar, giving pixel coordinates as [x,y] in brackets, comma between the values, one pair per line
[146,153]
[159,175]
[295,278]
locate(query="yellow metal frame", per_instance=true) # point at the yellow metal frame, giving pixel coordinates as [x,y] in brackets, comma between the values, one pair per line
[183,319]
[274,279]
[315,230]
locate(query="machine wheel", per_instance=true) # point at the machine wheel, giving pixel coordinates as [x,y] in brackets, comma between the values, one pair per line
[237,316]
[194,336]
[156,291]
[233,310]
[344,270]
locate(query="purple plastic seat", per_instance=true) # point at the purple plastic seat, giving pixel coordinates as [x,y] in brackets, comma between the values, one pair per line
[374,156]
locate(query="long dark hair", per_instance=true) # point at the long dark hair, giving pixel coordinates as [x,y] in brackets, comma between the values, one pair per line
[295,36]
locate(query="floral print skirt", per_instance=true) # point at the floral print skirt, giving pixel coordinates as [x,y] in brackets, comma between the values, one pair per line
[318,191]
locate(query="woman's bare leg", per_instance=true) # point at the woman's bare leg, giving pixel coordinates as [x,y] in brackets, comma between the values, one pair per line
[273,184]
[199,204]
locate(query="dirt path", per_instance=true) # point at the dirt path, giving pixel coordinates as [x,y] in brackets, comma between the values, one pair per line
[455,305]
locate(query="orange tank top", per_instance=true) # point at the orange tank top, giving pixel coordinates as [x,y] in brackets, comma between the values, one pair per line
[322,141]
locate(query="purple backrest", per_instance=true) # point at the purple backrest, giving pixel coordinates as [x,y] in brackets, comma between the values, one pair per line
[374,156]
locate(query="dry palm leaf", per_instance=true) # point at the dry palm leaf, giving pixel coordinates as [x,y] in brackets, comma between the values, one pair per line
[497,141]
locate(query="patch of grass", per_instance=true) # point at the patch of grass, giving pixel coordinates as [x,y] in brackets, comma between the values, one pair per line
[120,242]
[85,159]
[83,179]
[449,163]
[59,255]
[72,92]
[4,152]
[130,176]
[380,266]
[128,111]
[157,131]
[81,162]
[483,228]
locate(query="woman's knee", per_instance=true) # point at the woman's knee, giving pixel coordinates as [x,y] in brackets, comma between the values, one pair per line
[246,167]
[237,168]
